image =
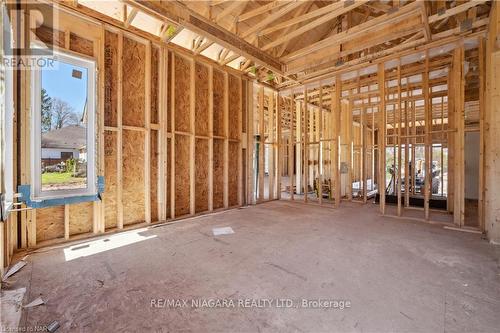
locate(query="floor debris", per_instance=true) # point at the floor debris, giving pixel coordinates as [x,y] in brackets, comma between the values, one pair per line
[10,307]
[36,302]
[14,269]
[222,231]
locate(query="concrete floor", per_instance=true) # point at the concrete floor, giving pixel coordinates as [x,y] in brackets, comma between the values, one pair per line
[398,276]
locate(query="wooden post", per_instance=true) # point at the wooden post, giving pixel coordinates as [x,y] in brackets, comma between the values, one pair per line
[226,142]
[147,136]
[350,151]
[210,139]
[398,185]
[271,125]
[280,145]
[162,111]
[320,146]
[382,135]
[172,138]
[261,145]
[291,146]
[250,145]
[119,140]
[192,140]
[482,88]
[459,165]
[428,137]
[306,146]
[336,114]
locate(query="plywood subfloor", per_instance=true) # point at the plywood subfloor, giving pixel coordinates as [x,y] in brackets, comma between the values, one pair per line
[399,276]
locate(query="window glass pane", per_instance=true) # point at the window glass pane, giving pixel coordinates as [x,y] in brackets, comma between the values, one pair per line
[63,126]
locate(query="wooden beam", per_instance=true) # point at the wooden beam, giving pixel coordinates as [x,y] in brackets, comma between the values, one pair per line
[425,21]
[307,27]
[304,17]
[230,8]
[381,21]
[180,14]
[455,10]
[262,9]
[270,18]
[130,17]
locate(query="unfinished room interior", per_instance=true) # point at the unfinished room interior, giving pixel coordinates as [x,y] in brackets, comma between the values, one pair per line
[250,166]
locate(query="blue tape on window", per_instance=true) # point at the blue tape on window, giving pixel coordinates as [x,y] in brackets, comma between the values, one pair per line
[25,191]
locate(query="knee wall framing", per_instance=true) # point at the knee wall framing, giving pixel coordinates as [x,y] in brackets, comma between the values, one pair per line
[155,135]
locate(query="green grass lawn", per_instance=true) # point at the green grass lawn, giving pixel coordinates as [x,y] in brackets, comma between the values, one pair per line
[60,178]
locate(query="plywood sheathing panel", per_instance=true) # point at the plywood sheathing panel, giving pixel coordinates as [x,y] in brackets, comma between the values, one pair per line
[133,69]
[133,177]
[182,91]
[81,45]
[201,99]
[181,175]
[233,173]
[218,102]
[153,174]
[154,84]
[111,78]
[109,196]
[234,89]
[218,181]
[51,36]
[80,218]
[50,223]
[201,176]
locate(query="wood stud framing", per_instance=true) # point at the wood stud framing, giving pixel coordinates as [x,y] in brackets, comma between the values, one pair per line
[338,129]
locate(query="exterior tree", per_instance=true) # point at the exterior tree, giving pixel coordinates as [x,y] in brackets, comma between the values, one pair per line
[46,111]
[63,114]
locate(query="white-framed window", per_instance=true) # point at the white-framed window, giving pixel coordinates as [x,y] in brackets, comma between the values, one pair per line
[63,127]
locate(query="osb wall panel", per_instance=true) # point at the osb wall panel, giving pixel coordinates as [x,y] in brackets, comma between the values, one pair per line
[182,92]
[49,223]
[154,84]
[218,102]
[111,78]
[109,196]
[201,99]
[181,175]
[133,177]
[233,173]
[153,174]
[218,174]
[80,218]
[234,106]
[201,174]
[133,69]
[81,45]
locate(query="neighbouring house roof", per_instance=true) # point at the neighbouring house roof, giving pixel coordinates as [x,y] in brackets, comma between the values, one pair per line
[72,137]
